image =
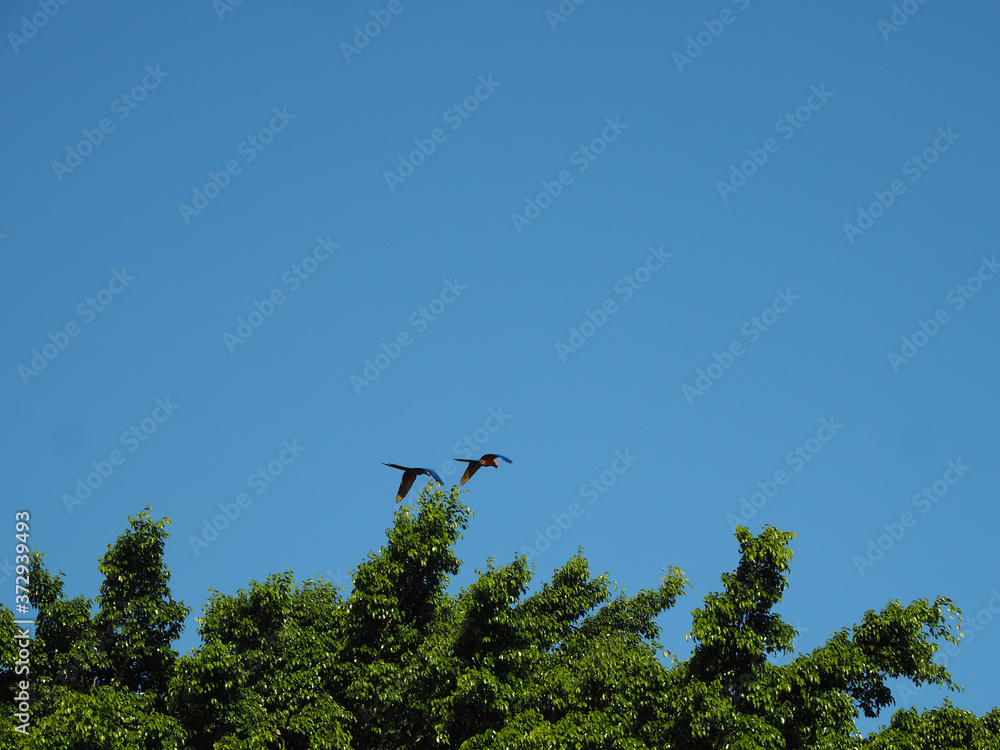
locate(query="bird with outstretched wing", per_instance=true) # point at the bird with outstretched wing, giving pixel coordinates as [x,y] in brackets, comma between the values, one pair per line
[409,476]
[474,465]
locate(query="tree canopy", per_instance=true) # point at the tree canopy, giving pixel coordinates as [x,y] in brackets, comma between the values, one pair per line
[402,662]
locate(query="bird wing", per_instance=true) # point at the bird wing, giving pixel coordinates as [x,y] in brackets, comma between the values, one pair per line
[396,466]
[404,486]
[473,465]
[471,469]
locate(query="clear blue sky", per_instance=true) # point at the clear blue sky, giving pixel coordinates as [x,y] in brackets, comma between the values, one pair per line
[739,162]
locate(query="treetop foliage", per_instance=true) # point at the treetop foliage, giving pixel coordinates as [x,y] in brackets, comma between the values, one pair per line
[401,662]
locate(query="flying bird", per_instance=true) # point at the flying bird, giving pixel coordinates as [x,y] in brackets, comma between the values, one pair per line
[409,475]
[490,459]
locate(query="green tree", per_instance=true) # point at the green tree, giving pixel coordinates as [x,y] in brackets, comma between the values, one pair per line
[99,682]
[137,618]
[402,662]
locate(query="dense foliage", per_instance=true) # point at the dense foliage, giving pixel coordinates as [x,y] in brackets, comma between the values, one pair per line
[402,663]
